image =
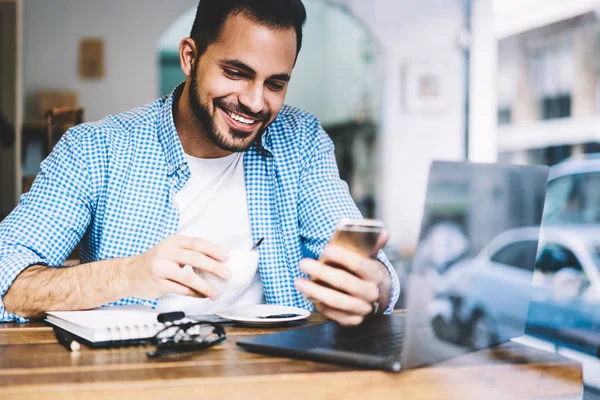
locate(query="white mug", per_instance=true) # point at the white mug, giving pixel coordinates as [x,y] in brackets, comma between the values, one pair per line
[241,263]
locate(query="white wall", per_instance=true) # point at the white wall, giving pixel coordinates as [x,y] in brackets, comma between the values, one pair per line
[130,28]
[414,31]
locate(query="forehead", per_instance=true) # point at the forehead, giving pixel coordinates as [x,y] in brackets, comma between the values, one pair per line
[267,50]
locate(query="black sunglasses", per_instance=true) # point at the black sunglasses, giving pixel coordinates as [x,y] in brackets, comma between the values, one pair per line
[186,337]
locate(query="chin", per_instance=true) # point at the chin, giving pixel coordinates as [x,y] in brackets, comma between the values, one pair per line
[236,141]
[236,144]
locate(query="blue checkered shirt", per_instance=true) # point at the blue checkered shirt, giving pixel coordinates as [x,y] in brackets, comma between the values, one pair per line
[111,186]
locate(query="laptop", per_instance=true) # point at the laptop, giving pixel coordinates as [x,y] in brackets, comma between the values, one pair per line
[467,287]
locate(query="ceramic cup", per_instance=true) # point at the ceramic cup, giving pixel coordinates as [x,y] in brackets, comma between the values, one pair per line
[241,263]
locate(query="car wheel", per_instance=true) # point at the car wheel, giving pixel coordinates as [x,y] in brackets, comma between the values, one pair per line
[483,332]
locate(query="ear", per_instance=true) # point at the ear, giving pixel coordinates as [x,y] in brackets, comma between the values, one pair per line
[187,55]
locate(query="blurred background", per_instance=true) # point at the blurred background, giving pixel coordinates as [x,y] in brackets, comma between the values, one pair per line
[396,84]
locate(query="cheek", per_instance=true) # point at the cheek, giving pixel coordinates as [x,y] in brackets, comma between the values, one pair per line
[219,88]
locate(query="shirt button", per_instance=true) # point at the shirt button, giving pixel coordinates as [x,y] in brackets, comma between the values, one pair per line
[182,167]
[147,304]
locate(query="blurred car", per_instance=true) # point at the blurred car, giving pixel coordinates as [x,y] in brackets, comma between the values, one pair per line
[565,298]
[574,191]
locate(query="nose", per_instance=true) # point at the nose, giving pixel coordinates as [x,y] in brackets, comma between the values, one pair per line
[253,98]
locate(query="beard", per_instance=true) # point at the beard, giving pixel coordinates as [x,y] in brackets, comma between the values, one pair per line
[233,140]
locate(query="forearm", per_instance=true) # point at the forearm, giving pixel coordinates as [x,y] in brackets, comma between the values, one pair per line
[38,289]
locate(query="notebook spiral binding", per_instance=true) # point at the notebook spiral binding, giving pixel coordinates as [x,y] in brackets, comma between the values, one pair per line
[133,332]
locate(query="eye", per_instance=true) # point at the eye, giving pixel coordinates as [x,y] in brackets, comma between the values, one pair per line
[233,73]
[274,86]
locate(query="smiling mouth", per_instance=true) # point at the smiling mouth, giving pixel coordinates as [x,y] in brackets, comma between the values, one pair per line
[239,122]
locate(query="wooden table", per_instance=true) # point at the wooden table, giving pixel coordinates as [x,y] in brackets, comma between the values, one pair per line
[34,366]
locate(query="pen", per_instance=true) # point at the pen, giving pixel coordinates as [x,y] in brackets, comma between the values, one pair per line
[66,340]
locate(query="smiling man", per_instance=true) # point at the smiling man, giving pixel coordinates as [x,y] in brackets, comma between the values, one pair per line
[213,167]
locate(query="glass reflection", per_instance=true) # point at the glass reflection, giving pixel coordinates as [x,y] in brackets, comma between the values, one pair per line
[565,301]
[470,281]
[574,198]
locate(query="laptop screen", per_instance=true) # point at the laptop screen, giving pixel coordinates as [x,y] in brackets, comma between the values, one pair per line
[469,283]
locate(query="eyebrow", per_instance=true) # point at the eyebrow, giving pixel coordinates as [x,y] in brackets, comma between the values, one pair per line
[244,67]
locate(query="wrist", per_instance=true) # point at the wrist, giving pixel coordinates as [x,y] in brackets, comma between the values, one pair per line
[128,285]
[385,286]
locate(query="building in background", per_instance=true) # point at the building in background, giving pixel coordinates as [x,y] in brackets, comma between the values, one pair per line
[549,86]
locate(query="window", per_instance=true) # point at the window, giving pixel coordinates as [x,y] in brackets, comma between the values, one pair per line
[504,116]
[552,70]
[573,199]
[552,155]
[519,255]
[564,270]
[554,257]
[507,76]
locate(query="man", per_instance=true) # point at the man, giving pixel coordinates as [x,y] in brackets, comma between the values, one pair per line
[221,160]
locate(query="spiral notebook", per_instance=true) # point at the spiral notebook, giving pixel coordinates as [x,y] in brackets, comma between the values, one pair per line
[108,327]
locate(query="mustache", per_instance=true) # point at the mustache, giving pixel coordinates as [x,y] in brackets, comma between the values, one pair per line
[239,108]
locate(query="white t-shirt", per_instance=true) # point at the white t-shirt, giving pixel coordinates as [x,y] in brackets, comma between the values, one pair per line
[212,206]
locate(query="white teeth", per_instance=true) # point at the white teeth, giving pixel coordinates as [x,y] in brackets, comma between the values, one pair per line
[241,119]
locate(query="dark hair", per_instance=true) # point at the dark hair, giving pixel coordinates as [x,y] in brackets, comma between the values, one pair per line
[279,14]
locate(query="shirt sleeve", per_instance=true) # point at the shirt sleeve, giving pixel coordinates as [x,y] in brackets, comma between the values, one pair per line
[324,199]
[49,220]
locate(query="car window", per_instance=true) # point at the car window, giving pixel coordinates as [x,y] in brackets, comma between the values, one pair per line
[591,195]
[518,254]
[563,200]
[554,257]
[557,194]
[573,199]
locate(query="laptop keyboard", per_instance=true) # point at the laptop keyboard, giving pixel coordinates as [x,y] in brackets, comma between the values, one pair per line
[383,344]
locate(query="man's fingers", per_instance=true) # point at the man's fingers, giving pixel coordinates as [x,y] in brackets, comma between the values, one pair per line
[341,317]
[189,278]
[341,280]
[350,260]
[212,250]
[202,263]
[173,287]
[333,298]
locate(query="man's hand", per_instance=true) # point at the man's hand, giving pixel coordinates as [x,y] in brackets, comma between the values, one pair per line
[356,284]
[160,270]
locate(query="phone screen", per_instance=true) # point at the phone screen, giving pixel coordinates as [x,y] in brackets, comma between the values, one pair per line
[358,235]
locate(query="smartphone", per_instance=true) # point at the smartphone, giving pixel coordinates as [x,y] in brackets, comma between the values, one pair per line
[358,235]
